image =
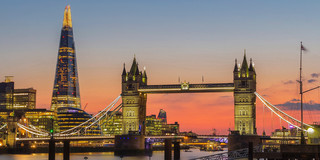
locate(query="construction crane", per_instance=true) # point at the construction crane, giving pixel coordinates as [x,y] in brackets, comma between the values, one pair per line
[85,106]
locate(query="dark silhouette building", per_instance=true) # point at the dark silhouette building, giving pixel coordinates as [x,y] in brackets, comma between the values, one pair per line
[66,84]
[6,93]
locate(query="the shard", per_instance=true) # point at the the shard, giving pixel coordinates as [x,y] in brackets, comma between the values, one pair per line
[66,84]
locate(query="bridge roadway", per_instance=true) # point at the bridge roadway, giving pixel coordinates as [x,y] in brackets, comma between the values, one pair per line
[211,136]
[188,88]
[87,138]
[79,138]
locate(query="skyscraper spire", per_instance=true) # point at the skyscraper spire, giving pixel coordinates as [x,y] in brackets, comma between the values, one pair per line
[67,21]
[66,85]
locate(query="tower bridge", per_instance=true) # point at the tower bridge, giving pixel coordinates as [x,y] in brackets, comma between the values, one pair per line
[135,89]
[134,99]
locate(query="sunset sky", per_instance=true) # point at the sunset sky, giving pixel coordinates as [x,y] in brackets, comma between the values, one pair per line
[172,39]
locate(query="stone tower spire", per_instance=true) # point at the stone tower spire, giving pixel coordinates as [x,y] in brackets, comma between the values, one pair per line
[124,72]
[235,66]
[244,66]
[245,99]
[133,102]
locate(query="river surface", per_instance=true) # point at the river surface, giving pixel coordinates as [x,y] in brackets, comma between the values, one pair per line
[157,155]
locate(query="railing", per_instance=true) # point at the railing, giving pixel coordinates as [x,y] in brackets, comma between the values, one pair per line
[237,154]
[218,156]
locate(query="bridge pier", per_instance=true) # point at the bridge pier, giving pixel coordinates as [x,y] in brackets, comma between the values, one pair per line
[250,154]
[176,149]
[66,150]
[168,149]
[52,149]
[129,145]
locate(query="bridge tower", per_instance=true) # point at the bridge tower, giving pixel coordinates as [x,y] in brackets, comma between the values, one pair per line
[244,97]
[133,102]
[11,132]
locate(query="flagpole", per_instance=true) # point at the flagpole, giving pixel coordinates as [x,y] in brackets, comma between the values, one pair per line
[301,96]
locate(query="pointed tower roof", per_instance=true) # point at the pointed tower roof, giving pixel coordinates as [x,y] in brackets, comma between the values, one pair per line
[251,68]
[67,22]
[137,69]
[244,65]
[144,75]
[134,67]
[124,72]
[235,66]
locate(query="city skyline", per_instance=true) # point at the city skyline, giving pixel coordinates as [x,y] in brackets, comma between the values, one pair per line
[179,50]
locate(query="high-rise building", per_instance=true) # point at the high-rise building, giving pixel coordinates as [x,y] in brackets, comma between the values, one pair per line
[163,115]
[66,85]
[69,117]
[112,124]
[40,118]
[173,128]
[15,99]
[24,98]
[154,125]
[6,93]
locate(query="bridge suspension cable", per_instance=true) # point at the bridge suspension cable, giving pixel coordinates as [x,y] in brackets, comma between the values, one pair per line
[106,113]
[291,120]
[3,126]
[32,131]
[112,114]
[108,107]
[89,123]
[36,128]
[85,125]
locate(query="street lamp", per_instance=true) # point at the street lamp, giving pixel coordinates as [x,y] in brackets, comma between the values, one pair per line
[310,130]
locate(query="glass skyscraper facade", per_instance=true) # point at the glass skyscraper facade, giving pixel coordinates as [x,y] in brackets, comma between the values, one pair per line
[24,98]
[69,117]
[112,125]
[66,85]
[6,93]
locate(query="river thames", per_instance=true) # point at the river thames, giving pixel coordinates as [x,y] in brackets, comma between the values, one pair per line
[157,155]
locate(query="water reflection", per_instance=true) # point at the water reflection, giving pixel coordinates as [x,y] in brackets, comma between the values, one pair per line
[157,155]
